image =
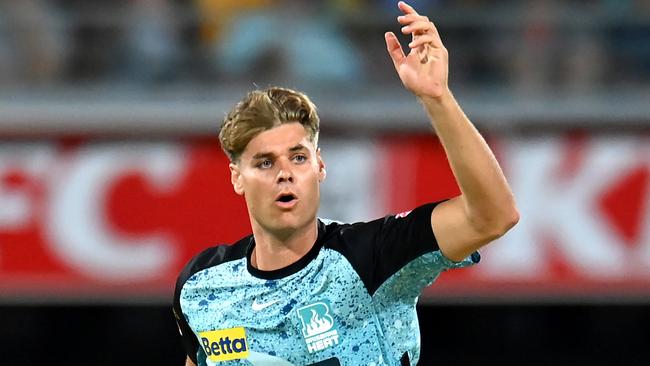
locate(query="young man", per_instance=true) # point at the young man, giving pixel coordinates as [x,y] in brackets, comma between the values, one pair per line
[302,291]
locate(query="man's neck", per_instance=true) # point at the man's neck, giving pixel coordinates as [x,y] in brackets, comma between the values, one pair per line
[274,251]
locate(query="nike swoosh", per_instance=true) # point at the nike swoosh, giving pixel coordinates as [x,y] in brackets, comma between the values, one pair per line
[261,359]
[257,306]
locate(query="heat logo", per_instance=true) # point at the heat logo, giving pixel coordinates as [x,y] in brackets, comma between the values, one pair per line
[225,344]
[318,326]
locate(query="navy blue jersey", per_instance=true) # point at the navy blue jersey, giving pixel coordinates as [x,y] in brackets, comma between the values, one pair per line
[349,301]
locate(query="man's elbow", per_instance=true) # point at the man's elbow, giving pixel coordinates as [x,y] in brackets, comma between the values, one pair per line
[497,225]
[506,221]
[512,218]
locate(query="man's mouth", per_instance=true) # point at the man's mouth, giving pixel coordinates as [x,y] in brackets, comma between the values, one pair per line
[286,200]
[287,197]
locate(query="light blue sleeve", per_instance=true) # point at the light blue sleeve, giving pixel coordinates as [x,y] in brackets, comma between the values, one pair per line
[407,283]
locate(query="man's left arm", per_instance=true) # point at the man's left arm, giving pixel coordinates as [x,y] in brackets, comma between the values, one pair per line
[486,209]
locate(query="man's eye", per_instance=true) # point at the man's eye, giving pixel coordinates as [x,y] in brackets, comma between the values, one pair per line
[265,164]
[300,158]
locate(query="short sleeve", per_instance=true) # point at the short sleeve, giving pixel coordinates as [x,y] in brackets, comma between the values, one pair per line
[407,244]
[408,282]
[380,248]
[189,341]
[401,239]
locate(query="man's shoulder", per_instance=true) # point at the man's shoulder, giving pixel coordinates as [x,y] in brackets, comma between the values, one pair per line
[214,256]
[331,226]
[339,235]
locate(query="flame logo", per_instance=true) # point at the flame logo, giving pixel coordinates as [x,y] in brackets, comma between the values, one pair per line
[317,324]
[315,319]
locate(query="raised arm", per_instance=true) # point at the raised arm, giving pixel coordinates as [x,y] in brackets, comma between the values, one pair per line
[486,209]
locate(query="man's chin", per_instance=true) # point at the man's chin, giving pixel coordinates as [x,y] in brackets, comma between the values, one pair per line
[287,225]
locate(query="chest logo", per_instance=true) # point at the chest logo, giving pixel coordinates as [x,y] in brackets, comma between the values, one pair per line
[318,327]
[225,344]
[261,306]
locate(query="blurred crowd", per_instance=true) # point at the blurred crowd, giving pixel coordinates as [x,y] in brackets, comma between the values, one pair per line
[529,46]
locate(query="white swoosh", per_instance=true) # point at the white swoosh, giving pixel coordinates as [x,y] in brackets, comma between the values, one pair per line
[261,359]
[258,307]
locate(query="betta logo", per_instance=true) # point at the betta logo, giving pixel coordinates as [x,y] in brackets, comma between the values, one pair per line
[225,344]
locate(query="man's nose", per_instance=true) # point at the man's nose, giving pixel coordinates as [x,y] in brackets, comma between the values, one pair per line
[285,174]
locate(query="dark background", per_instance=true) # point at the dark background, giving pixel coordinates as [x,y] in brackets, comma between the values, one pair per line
[451,335]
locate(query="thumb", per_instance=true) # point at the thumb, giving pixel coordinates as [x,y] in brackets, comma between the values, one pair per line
[394,49]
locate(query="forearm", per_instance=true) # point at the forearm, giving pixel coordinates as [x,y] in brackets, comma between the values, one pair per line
[487,198]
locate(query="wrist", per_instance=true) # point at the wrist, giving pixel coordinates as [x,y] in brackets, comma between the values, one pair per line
[445,99]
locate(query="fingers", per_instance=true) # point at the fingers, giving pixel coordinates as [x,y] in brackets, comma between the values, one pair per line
[406,8]
[394,49]
[426,39]
[410,18]
[424,32]
[418,25]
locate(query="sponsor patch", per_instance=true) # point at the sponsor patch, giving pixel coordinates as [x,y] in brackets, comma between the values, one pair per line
[225,344]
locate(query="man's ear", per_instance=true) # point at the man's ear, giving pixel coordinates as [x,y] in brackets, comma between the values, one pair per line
[322,173]
[235,179]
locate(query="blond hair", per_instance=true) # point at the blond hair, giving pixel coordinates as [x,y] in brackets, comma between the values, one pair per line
[262,110]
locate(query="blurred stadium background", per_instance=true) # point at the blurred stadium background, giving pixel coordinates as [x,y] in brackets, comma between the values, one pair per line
[111,176]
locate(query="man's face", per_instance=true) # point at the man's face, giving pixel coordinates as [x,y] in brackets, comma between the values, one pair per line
[279,174]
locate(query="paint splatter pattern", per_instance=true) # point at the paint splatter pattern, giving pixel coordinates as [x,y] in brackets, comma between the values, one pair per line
[276,314]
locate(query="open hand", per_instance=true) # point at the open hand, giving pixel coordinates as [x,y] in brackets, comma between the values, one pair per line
[425,70]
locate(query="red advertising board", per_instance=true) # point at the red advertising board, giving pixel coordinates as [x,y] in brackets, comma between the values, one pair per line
[110,218]
[117,220]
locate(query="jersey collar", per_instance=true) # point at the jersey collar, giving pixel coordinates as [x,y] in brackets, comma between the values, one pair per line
[293,267]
